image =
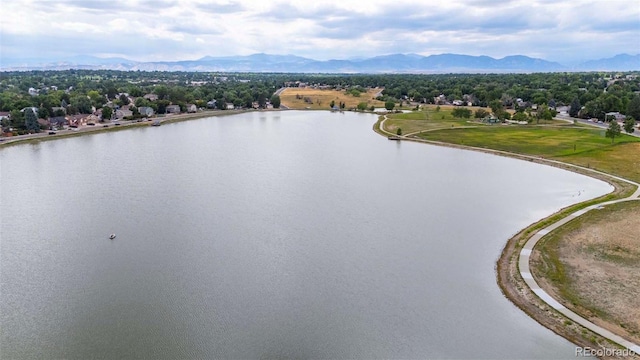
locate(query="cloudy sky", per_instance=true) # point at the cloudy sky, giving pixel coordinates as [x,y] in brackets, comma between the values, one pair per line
[153,30]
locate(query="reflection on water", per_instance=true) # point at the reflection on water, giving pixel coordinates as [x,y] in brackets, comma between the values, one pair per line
[292,234]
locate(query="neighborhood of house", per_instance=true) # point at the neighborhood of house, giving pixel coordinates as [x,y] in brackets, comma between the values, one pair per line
[62,118]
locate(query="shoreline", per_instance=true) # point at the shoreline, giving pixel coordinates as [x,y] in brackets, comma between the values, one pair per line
[124,125]
[508,273]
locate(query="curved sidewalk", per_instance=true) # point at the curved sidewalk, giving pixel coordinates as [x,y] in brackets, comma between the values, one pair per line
[525,252]
[525,272]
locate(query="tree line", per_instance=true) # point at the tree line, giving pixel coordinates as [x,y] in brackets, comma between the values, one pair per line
[588,95]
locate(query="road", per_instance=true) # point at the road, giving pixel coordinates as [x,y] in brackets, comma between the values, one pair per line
[636,133]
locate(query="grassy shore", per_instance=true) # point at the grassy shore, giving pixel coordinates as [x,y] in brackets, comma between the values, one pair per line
[576,145]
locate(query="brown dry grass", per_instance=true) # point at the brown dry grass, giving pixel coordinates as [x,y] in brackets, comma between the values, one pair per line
[322,98]
[599,258]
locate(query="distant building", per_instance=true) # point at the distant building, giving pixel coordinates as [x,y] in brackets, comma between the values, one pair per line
[230,106]
[173,109]
[151,97]
[145,111]
[211,104]
[615,116]
[191,108]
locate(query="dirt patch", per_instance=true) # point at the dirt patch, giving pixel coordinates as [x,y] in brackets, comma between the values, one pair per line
[320,99]
[599,257]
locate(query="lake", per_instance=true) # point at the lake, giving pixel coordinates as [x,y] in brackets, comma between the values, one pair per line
[267,235]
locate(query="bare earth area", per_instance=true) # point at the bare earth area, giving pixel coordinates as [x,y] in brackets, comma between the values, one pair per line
[598,266]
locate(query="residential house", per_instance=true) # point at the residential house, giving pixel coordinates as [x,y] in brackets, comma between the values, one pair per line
[145,111]
[151,97]
[57,121]
[440,100]
[255,105]
[230,106]
[191,108]
[211,104]
[33,92]
[122,113]
[44,123]
[4,115]
[173,109]
[78,119]
[615,116]
[34,109]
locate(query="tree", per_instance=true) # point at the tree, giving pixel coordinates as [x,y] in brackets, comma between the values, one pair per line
[496,107]
[43,113]
[31,121]
[629,124]
[520,116]
[575,107]
[362,106]
[399,132]
[613,130]
[106,113]
[389,105]
[481,114]
[461,112]
[275,101]
[81,103]
[332,104]
[633,108]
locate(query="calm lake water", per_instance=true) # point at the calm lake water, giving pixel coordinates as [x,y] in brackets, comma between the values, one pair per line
[266,235]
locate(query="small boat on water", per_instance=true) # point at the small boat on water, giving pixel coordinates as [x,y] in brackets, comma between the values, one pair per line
[112,236]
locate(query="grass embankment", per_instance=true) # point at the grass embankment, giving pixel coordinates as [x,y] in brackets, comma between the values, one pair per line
[575,145]
[319,99]
[593,263]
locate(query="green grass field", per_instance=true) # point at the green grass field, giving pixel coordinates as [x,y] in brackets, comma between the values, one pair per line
[424,120]
[575,145]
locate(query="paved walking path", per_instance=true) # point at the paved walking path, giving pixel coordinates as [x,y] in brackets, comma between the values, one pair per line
[525,252]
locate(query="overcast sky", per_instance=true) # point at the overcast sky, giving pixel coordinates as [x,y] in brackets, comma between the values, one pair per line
[151,30]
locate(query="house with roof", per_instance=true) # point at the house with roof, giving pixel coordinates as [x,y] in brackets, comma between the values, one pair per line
[230,106]
[57,121]
[615,115]
[191,108]
[122,113]
[211,104]
[145,111]
[151,97]
[173,109]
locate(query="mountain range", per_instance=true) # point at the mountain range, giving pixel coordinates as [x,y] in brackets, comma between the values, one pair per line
[395,63]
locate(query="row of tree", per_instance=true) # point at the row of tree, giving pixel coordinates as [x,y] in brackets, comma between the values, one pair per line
[79,91]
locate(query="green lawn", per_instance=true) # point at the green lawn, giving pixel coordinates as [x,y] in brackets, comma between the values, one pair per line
[424,120]
[577,145]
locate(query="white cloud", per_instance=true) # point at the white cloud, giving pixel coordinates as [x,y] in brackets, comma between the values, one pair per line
[188,29]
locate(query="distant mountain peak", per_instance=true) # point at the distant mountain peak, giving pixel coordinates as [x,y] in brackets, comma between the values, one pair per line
[389,63]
